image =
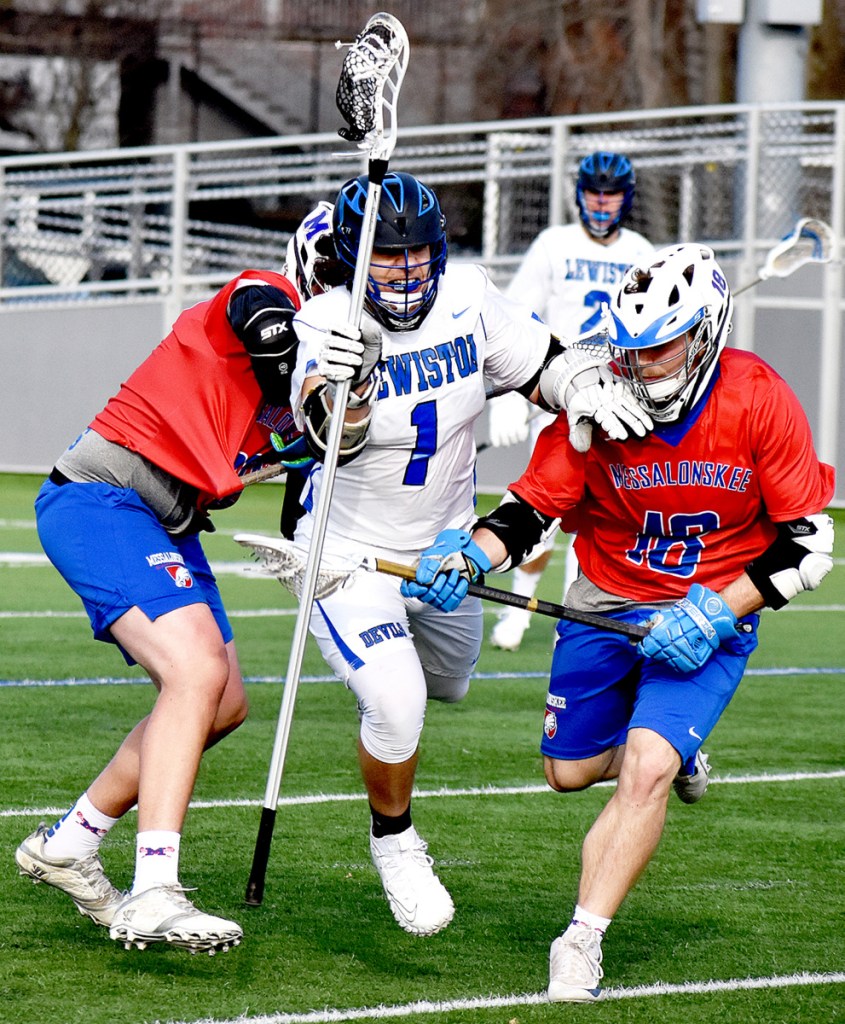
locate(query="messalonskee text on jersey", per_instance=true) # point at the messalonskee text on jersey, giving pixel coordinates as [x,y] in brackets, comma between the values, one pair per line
[699,473]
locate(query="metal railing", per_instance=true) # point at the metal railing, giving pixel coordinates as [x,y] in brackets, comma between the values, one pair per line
[170,223]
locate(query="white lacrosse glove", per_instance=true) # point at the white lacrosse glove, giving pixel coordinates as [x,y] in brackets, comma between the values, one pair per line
[508,419]
[348,353]
[584,385]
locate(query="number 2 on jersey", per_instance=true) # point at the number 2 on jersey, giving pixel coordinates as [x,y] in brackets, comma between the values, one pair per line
[594,300]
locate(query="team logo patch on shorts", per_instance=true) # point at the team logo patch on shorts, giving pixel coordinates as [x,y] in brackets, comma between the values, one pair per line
[550,724]
[181,576]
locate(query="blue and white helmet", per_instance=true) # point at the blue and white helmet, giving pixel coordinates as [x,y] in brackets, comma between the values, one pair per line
[605,172]
[681,293]
[311,263]
[409,217]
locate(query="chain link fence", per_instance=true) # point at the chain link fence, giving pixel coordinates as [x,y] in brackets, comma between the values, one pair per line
[169,224]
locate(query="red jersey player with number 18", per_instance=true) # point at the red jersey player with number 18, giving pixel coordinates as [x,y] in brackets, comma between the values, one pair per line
[695,528]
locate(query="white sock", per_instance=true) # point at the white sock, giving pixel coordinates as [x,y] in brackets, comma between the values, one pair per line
[525,583]
[79,832]
[156,860]
[582,918]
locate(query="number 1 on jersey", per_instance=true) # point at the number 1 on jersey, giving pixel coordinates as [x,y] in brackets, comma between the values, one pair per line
[424,418]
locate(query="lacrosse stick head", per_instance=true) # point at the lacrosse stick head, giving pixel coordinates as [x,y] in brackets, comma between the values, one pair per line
[368,89]
[285,562]
[810,241]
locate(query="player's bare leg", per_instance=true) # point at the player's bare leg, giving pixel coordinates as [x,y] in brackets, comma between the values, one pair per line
[190,666]
[625,835]
[615,852]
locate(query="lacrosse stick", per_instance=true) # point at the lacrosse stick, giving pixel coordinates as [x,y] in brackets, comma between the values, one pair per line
[285,562]
[810,241]
[367,94]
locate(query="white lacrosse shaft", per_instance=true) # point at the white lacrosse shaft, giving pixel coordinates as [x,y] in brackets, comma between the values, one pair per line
[380,151]
[810,241]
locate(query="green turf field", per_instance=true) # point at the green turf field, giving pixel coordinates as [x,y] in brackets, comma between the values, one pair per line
[739,919]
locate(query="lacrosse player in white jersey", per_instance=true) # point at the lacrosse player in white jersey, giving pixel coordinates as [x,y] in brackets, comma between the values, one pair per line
[568,273]
[432,345]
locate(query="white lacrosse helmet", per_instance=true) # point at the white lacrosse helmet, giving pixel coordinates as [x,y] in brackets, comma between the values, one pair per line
[311,263]
[682,293]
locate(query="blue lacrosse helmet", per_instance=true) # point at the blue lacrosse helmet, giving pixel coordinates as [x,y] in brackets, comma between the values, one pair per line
[409,217]
[605,172]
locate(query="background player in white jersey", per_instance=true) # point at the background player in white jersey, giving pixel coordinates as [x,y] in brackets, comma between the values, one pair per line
[568,273]
[433,345]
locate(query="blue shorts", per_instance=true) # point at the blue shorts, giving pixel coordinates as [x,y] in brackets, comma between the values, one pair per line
[115,554]
[600,687]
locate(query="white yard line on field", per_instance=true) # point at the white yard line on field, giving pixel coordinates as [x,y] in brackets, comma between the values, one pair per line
[446,792]
[425,1006]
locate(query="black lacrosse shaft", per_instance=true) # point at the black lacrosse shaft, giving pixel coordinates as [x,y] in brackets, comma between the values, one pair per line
[531,604]
[261,857]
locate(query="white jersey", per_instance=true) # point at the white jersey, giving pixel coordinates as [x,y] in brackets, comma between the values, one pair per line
[416,473]
[566,275]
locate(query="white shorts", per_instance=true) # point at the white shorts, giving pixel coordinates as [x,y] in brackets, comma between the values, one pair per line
[395,653]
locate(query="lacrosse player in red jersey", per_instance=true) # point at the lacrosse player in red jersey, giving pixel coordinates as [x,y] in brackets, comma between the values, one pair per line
[120,518]
[434,344]
[695,528]
[567,275]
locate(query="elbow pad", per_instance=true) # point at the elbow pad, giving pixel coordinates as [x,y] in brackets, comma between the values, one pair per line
[318,416]
[262,317]
[799,559]
[519,526]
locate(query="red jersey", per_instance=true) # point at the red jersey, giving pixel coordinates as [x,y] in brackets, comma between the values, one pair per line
[194,407]
[690,503]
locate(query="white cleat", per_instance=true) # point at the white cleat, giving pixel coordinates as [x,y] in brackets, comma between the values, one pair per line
[575,970]
[508,632]
[83,880]
[164,914]
[420,902]
[691,788]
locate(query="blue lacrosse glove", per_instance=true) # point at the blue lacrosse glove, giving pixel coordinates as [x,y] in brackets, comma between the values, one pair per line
[446,569]
[685,635]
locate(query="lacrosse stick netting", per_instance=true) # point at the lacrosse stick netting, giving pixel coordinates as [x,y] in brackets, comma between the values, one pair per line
[285,562]
[810,241]
[368,89]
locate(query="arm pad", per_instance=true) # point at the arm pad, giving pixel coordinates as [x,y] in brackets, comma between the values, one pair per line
[799,559]
[519,526]
[262,317]
[318,416]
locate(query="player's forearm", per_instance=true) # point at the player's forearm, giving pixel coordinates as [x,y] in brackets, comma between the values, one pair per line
[742,597]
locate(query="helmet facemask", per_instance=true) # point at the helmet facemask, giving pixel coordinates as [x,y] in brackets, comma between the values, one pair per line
[662,384]
[605,174]
[409,252]
[401,299]
[681,298]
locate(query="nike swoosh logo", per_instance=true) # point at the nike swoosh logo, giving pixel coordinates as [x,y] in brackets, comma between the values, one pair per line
[456,315]
[692,732]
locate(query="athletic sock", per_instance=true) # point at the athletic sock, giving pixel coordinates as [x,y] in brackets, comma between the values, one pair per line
[156,860]
[79,832]
[385,825]
[582,918]
[525,583]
